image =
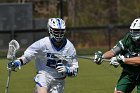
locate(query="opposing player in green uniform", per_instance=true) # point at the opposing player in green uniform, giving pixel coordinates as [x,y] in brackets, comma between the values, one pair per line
[126,53]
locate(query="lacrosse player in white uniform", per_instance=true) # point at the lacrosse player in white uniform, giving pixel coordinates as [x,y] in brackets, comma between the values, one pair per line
[54,59]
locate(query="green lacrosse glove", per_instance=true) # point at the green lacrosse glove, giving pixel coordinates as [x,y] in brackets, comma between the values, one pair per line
[98,57]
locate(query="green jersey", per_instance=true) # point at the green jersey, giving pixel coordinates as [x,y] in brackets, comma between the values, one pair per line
[128,48]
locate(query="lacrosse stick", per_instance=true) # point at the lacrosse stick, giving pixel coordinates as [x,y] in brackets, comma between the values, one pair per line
[71,57]
[63,57]
[13,47]
[90,58]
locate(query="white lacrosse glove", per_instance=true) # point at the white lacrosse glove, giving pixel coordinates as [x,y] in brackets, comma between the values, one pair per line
[14,64]
[62,69]
[114,62]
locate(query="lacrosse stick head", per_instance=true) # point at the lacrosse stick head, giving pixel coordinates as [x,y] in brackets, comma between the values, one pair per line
[13,47]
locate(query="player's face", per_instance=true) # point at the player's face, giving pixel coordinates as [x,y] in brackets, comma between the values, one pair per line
[135,33]
[58,34]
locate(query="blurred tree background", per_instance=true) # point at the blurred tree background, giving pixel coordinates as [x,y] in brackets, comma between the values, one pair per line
[101,15]
[86,12]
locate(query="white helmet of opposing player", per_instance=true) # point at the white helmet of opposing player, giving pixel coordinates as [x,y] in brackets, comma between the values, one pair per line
[57,29]
[135,29]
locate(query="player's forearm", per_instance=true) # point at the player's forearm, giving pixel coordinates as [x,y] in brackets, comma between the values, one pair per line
[134,60]
[23,60]
[108,55]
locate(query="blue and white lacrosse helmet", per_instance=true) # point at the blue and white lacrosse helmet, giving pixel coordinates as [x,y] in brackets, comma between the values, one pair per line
[135,30]
[57,29]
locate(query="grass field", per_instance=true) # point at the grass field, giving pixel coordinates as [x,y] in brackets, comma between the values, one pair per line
[91,78]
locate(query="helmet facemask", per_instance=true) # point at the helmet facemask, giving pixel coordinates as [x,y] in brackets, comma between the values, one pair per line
[135,34]
[57,34]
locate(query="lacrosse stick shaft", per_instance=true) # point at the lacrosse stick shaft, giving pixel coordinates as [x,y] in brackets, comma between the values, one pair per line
[71,57]
[8,81]
[90,58]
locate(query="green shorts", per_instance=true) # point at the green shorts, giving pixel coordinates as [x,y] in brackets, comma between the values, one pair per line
[128,82]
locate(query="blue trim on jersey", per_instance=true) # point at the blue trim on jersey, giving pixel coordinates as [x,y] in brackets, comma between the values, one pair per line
[58,48]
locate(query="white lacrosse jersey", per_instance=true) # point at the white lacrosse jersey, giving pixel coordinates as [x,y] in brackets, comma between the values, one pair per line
[44,53]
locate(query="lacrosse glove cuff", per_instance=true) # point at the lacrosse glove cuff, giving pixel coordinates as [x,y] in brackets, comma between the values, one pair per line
[65,69]
[68,72]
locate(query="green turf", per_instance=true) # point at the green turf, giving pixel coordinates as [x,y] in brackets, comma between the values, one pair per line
[91,78]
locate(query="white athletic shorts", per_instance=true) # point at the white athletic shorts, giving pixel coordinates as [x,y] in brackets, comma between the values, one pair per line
[53,85]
